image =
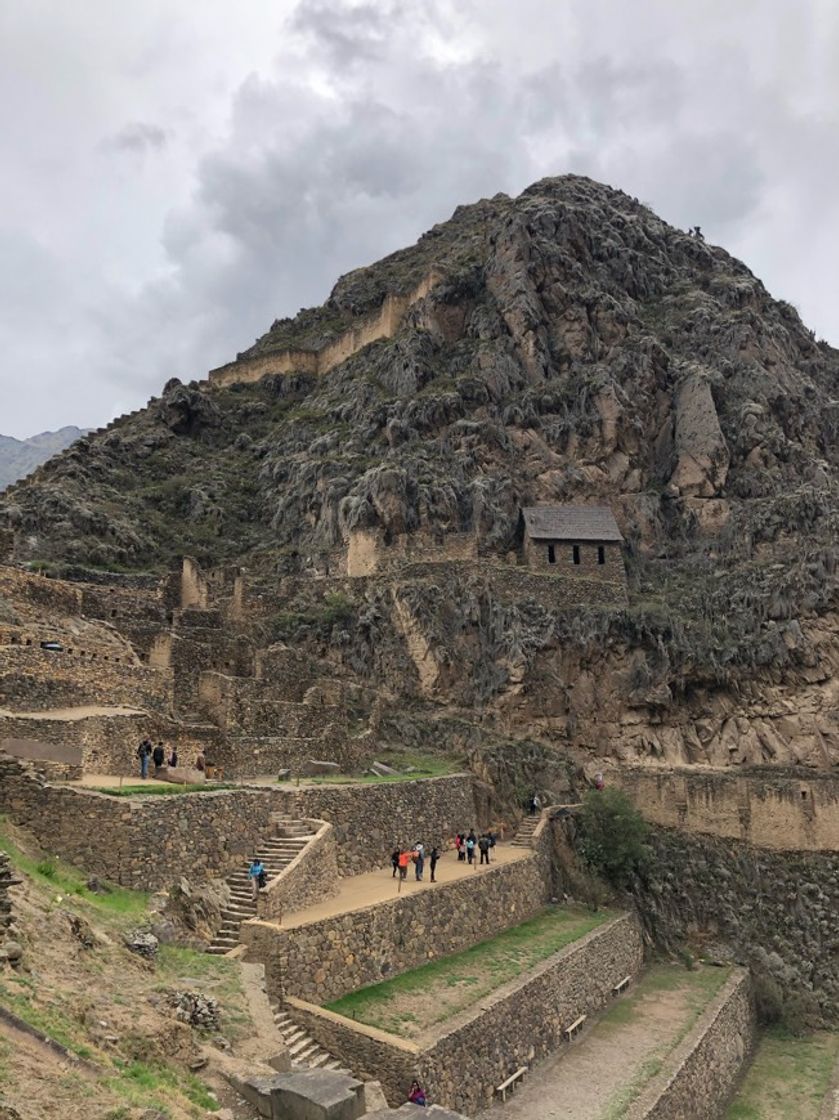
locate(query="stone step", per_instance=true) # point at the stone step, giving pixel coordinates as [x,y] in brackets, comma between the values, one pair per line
[297,1043]
[319,1061]
[307,1055]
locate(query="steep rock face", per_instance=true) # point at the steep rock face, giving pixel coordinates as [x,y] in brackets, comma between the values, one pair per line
[576,348]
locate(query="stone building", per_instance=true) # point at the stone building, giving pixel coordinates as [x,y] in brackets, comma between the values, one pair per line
[574,541]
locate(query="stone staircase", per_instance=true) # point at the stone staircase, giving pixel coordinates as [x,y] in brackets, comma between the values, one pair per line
[289,839]
[304,1051]
[524,835]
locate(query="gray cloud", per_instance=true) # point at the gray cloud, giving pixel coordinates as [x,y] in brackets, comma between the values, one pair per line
[353,127]
[137,136]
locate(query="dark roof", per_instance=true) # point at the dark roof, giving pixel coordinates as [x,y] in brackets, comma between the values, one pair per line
[571,523]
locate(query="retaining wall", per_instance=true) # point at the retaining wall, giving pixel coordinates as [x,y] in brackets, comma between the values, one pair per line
[325,959]
[311,877]
[461,1062]
[371,820]
[702,1073]
[143,843]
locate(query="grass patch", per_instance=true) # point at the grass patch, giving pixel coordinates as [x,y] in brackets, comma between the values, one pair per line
[152,1084]
[410,1003]
[48,1019]
[61,878]
[170,790]
[790,1075]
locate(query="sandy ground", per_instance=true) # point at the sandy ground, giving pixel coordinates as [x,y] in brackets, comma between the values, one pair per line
[113,781]
[69,714]
[584,1081]
[380,886]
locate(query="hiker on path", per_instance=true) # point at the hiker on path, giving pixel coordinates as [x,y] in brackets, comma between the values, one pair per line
[460,847]
[256,874]
[404,860]
[144,754]
[535,805]
[200,762]
[483,847]
[435,855]
[598,780]
[394,861]
[470,847]
[419,862]
[158,757]
[173,758]
[416,1095]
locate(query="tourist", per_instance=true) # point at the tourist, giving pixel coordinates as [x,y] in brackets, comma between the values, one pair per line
[173,758]
[460,846]
[394,861]
[200,762]
[158,757]
[535,805]
[419,861]
[416,1095]
[433,857]
[470,847]
[598,780]
[256,874]
[404,860]
[144,754]
[483,846]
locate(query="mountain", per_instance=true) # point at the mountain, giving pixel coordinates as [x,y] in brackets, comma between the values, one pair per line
[564,346]
[19,457]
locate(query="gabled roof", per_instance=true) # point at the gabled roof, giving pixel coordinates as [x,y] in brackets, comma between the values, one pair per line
[571,523]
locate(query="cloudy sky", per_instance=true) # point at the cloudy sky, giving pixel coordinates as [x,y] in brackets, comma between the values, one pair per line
[176,175]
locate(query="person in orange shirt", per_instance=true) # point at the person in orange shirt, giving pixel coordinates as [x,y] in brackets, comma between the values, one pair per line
[404,860]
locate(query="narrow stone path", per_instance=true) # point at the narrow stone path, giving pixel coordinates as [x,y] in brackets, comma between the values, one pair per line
[69,714]
[600,1074]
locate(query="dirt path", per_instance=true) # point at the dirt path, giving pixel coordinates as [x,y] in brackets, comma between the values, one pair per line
[69,714]
[604,1070]
[379,886]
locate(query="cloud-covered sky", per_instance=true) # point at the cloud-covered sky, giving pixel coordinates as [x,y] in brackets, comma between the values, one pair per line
[178,175]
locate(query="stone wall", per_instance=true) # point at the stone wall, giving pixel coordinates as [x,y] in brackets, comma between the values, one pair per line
[108,743]
[253,756]
[537,555]
[702,1073]
[370,820]
[324,960]
[142,843]
[462,1061]
[6,881]
[250,705]
[785,810]
[36,680]
[311,877]
[773,911]
[54,595]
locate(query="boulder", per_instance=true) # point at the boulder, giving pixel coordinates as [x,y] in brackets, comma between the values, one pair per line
[319,766]
[143,943]
[382,769]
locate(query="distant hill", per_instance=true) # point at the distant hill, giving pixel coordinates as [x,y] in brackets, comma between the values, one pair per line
[19,457]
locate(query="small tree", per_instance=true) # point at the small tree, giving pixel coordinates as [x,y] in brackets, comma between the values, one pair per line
[613,835]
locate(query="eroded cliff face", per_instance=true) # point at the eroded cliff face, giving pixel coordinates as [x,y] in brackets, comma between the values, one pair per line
[576,348]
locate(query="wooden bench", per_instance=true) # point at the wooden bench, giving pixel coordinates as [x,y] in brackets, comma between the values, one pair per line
[621,986]
[510,1083]
[576,1026]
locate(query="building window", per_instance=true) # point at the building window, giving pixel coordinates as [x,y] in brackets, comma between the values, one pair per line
[601,554]
[575,553]
[551,554]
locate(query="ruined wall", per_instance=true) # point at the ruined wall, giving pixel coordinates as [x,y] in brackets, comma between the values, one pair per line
[371,820]
[55,595]
[701,1075]
[6,881]
[258,756]
[773,911]
[34,680]
[460,1063]
[324,960]
[142,843]
[383,323]
[772,808]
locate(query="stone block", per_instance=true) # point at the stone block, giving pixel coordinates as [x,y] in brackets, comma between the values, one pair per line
[319,766]
[317,1095]
[382,769]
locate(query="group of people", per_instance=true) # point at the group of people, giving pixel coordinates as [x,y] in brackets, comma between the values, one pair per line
[146,752]
[468,844]
[402,858]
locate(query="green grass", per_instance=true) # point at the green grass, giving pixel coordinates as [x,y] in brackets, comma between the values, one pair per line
[62,879]
[450,985]
[15,995]
[144,790]
[151,1083]
[789,1076]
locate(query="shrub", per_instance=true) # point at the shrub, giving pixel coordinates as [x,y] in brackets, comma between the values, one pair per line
[46,868]
[613,835]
